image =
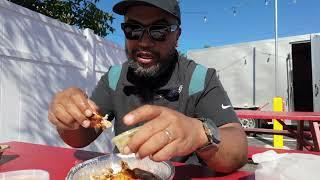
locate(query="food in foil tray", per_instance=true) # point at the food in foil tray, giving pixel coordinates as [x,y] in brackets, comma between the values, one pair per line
[125,174]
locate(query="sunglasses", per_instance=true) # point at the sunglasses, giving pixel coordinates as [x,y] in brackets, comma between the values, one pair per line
[156,32]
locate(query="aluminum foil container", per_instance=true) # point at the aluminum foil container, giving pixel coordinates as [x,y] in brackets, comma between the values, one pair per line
[3,148]
[96,166]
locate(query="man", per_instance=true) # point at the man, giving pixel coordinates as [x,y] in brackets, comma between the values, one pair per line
[183,110]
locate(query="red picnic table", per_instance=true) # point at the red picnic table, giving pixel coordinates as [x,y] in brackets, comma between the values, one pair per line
[58,161]
[312,117]
[252,150]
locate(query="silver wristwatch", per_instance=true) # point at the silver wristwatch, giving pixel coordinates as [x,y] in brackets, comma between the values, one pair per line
[212,133]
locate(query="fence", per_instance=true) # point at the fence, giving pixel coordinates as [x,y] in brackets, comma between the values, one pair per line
[40,56]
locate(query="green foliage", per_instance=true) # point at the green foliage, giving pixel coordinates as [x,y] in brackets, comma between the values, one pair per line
[81,13]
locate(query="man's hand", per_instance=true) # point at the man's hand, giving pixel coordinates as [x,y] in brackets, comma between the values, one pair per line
[167,133]
[70,109]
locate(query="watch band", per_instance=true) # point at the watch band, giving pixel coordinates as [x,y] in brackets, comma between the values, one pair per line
[212,133]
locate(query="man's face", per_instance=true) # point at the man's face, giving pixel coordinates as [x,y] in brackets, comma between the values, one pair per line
[149,57]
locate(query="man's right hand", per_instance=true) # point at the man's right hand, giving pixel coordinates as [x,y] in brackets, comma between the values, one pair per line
[71,109]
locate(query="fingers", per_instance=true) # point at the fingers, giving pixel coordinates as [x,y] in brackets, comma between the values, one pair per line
[144,113]
[153,136]
[166,134]
[80,100]
[146,133]
[167,152]
[154,144]
[61,114]
[93,106]
[70,108]
[59,124]
[76,114]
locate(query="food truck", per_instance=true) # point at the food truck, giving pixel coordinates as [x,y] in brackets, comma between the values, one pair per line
[252,77]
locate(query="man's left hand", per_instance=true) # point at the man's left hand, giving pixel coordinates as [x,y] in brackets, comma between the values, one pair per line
[167,133]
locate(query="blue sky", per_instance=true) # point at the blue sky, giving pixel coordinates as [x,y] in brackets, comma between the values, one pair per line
[234,21]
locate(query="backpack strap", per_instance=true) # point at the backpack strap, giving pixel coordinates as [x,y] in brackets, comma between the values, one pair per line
[114,76]
[197,79]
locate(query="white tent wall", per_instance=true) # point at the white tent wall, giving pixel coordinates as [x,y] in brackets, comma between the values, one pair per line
[40,56]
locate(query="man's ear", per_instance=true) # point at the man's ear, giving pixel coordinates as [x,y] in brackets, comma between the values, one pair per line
[178,33]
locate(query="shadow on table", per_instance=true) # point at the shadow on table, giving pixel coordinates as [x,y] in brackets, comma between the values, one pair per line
[86,155]
[189,171]
[7,158]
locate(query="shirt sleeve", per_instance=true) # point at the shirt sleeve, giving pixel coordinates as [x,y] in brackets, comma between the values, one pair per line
[214,103]
[101,95]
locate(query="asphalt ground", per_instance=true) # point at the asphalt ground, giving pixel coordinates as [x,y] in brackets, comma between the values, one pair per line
[267,141]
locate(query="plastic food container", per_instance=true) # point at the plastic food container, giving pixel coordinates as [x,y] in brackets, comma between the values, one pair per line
[30,174]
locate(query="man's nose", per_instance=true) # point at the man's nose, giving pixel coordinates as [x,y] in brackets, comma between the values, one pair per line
[145,40]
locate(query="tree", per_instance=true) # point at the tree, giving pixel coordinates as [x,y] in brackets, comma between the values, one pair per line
[80,13]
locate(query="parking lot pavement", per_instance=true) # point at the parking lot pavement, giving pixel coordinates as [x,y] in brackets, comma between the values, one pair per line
[267,141]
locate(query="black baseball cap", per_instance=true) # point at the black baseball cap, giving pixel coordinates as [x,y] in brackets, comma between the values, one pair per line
[170,6]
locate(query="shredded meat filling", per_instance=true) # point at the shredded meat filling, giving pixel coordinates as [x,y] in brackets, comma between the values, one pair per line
[98,121]
[125,174]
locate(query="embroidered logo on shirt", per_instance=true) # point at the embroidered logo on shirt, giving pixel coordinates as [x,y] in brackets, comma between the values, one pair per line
[180,88]
[225,107]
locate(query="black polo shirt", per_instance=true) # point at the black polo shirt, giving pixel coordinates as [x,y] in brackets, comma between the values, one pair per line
[186,86]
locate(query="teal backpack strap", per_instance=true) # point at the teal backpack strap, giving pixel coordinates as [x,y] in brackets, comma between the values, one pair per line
[114,76]
[197,79]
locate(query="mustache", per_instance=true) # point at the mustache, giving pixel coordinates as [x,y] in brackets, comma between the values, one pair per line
[155,53]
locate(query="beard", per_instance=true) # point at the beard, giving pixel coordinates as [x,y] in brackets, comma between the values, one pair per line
[160,64]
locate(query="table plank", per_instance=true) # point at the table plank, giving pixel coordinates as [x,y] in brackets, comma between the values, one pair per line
[268,131]
[308,116]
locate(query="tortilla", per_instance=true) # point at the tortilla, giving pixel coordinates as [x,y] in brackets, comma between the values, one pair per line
[122,139]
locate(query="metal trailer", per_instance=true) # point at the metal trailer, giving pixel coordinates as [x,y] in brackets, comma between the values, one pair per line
[247,72]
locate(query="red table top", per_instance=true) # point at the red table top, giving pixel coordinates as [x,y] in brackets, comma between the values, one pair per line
[255,150]
[58,161]
[314,116]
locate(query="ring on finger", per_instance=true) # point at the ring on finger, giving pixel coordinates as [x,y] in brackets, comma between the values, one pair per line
[169,135]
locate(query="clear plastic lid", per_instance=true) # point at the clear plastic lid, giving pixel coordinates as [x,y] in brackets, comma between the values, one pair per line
[30,174]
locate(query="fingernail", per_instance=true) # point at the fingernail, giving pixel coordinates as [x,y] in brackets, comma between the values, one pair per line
[137,156]
[88,113]
[126,150]
[85,124]
[129,118]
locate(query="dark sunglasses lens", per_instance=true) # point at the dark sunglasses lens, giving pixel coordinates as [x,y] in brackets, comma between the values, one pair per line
[158,32]
[132,31]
